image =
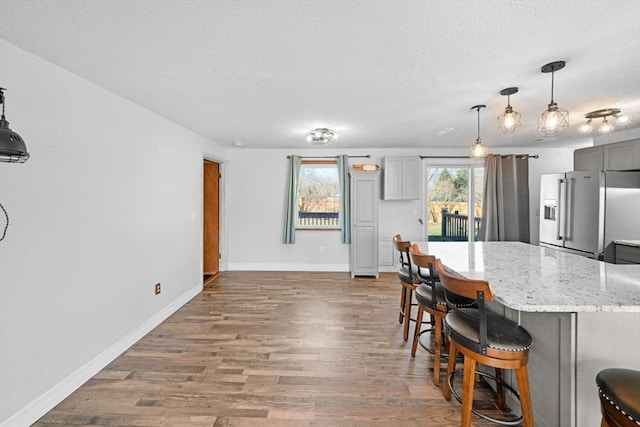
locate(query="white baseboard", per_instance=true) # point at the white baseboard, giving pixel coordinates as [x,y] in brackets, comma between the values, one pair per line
[287,267]
[300,267]
[56,394]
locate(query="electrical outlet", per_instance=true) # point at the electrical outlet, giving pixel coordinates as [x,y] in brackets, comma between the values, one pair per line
[157,288]
[321,249]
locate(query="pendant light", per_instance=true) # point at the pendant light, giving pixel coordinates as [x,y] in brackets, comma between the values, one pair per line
[509,121]
[12,146]
[478,150]
[553,121]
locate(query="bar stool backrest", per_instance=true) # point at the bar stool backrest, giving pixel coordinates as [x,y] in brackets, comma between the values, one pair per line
[422,262]
[457,287]
[403,246]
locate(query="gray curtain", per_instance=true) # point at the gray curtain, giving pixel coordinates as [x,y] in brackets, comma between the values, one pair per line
[505,208]
[344,212]
[289,233]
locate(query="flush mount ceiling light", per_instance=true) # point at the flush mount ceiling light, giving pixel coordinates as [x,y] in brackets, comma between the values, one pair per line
[12,146]
[478,150]
[554,120]
[605,127]
[509,121]
[321,136]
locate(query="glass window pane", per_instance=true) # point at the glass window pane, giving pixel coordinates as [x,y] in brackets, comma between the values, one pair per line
[318,195]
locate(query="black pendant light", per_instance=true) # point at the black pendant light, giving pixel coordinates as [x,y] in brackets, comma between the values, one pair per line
[12,146]
[554,120]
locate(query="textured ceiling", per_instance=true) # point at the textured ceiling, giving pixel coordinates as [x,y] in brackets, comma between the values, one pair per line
[380,73]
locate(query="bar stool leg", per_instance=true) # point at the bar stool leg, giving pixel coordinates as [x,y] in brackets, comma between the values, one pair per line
[407,313]
[437,342]
[416,333]
[525,395]
[499,390]
[403,297]
[451,365]
[468,381]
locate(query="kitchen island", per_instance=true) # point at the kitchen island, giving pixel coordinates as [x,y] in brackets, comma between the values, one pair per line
[583,315]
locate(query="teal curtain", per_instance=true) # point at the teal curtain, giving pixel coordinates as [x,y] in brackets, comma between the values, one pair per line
[289,234]
[344,212]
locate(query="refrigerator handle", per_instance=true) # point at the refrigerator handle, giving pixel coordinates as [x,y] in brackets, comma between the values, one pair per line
[560,207]
[568,210]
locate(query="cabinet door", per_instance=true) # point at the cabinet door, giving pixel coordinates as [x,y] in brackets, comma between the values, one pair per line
[588,159]
[364,193]
[622,155]
[411,178]
[366,252]
[392,185]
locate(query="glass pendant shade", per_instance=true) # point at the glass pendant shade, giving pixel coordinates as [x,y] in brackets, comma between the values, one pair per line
[606,127]
[586,128]
[553,121]
[623,120]
[509,121]
[478,150]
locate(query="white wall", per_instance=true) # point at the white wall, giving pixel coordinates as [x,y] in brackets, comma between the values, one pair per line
[108,205]
[257,183]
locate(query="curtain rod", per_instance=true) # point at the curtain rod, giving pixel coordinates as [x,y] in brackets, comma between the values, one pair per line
[368,156]
[522,156]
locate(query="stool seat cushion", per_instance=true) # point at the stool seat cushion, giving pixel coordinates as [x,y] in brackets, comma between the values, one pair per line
[405,275]
[502,334]
[621,387]
[425,297]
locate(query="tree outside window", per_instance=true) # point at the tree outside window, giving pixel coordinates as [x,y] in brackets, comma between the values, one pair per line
[318,199]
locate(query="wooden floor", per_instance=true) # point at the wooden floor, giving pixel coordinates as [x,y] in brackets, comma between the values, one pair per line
[271,349]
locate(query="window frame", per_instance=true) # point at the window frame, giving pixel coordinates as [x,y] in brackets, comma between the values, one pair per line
[318,162]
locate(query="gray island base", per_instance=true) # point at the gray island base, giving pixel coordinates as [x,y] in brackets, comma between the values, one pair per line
[583,315]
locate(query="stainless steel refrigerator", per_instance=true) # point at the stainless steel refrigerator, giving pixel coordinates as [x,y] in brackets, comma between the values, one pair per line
[584,211]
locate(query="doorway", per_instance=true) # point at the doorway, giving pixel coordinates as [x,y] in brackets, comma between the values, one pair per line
[453,202]
[210,222]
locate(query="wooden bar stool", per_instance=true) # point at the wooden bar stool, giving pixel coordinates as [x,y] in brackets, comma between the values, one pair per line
[430,297]
[406,275]
[486,338]
[619,391]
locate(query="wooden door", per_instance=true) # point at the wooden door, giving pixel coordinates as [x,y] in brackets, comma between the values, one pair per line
[210,218]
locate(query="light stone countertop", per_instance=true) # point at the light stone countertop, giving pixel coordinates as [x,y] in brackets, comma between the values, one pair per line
[537,279]
[627,242]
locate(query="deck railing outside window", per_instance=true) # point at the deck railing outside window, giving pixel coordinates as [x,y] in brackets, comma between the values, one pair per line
[311,219]
[455,226]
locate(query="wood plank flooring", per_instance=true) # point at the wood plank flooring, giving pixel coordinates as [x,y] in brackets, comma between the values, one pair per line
[258,349]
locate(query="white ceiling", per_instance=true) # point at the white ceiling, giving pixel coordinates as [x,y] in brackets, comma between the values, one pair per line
[380,73]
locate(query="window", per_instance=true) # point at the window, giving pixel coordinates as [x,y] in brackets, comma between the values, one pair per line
[318,200]
[452,193]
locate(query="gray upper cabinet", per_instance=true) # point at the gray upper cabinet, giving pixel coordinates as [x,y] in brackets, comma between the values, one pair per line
[622,155]
[616,156]
[401,178]
[588,159]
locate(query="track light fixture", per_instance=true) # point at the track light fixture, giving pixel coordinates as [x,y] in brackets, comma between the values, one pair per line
[553,121]
[605,127]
